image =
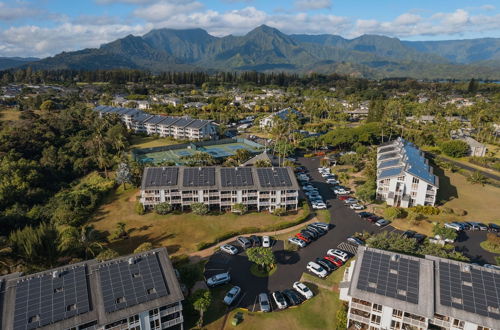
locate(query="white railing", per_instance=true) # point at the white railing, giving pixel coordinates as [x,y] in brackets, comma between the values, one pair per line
[359,318]
[361,307]
[417,323]
[171,310]
[171,323]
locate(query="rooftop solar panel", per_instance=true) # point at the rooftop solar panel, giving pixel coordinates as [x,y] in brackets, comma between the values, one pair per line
[396,278]
[51,297]
[273,177]
[161,176]
[199,177]
[236,177]
[130,282]
[474,289]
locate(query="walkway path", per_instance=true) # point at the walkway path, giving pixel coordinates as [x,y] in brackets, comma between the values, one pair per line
[209,251]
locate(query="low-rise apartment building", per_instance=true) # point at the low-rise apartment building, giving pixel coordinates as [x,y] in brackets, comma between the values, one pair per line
[182,128]
[387,290]
[139,292]
[404,176]
[265,188]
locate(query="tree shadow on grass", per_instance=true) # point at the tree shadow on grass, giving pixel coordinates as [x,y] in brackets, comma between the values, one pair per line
[127,246]
[446,191]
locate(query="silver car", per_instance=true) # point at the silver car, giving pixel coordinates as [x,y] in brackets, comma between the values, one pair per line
[264,303]
[230,249]
[232,295]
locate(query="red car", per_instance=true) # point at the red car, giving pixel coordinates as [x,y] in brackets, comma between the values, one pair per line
[302,237]
[343,198]
[336,261]
[373,218]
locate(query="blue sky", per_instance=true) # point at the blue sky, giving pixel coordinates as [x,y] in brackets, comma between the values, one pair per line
[47,27]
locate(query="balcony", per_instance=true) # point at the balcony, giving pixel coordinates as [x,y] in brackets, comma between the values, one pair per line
[440,323]
[359,318]
[171,323]
[171,310]
[415,322]
[361,307]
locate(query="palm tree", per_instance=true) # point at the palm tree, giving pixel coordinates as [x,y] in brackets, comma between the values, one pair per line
[85,240]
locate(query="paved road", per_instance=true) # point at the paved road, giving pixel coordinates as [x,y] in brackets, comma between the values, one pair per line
[291,265]
[469,168]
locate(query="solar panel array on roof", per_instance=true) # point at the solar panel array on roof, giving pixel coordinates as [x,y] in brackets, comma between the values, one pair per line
[388,148]
[130,282]
[161,176]
[199,177]
[389,163]
[390,172]
[236,177]
[49,298]
[389,155]
[416,163]
[475,291]
[395,278]
[273,177]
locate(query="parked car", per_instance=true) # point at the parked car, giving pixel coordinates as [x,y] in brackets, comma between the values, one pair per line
[357,206]
[219,279]
[453,225]
[232,295]
[303,290]
[255,240]
[419,237]
[279,299]
[492,266]
[296,241]
[230,249]
[325,264]
[473,225]
[351,201]
[339,254]
[322,225]
[373,218]
[244,242]
[382,222]
[264,303]
[319,206]
[307,234]
[266,241]
[316,269]
[355,241]
[494,228]
[408,233]
[317,230]
[292,297]
[302,237]
[365,214]
[341,191]
[482,226]
[464,225]
[332,181]
[343,198]
[336,261]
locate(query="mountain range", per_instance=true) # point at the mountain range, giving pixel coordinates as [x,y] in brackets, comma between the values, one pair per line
[267,49]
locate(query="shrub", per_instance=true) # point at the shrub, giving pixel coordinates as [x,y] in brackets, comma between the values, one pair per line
[392,213]
[144,247]
[163,208]
[460,212]
[455,148]
[415,216]
[139,208]
[239,208]
[447,210]
[107,255]
[199,208]
[279,211]
[427,209]
[309,155]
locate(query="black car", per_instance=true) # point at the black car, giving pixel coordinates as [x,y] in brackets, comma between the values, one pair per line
[322,263]
[409,234]
[317,230]
[307,235]
[255,240]
[311,232]
[419,237]
[494,228]
[365,214]
[482,226]
[330,264]
[292,297]
[465,225]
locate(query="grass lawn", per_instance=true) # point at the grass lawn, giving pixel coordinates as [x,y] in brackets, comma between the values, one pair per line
[491,247]
[180,233]
[9,115]
[150,142]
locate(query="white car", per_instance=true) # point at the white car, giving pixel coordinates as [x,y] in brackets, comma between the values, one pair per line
[266,241]
[325,174]
[296,241]
[229,249]
[232,295]
[279,299]
[322,225]
[357,206]
[332,181]
[318,206]
[303,290]
[452,225]
[316,269]
[219,279]
[341,191]
[339,254]
[351,201]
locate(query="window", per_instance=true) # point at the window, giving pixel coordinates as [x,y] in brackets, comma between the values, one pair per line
[397,313]
[401,178]
[395,325]
[458,324]
[377,307]
[375,319]
[415,180]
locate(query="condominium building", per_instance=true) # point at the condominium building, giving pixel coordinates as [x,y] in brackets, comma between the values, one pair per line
[404,176]
[265,188]
[183,128]
[387,290]
[139,291]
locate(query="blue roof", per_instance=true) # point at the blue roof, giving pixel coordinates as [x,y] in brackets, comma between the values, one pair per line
[387,156]
[390,172]
[416,163]
[389,163]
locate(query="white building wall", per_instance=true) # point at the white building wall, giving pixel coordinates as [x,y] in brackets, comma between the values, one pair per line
[385,321]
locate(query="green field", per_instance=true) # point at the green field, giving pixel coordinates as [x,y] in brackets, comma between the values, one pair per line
[9,115]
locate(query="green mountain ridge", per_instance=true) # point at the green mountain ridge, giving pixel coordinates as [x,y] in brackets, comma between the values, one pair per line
[268,49]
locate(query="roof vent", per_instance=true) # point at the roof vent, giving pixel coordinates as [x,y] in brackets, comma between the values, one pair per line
[131,261]
[55,274]
[466,269]
[199,168]
[394,257]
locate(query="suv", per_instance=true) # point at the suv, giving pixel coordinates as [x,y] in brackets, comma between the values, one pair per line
[316,269]
[279,299]
[494,228]
[244,242]
[219,279]
[339,254]
[264,303]
[256,240]
[292,297]
[453,225]
[303,290]
[232,295]
[322,225]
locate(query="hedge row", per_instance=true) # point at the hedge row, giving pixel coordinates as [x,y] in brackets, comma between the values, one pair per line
[250,230]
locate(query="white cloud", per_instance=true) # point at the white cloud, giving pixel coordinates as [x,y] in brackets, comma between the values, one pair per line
[488,7]
[313,4]
[167,8]
[8,13]
[407,19]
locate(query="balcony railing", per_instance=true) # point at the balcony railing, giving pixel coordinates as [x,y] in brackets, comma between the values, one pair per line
[171,323]
[361,307]
[417,323]
[441,323]
[359,318]
[171,310]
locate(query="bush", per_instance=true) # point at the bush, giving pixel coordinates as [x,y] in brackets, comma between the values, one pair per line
[139,208]
[392,213]
[415,216]
[163,208]
[199,208]
[460,212]
[239,208]
[309,155]
[427,209]
[144,247]
[455,148]
[107,255]
[279,211]
[447,210]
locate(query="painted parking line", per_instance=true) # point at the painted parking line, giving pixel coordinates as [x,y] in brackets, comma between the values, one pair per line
[242,296]
[214,269]
[254,302]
